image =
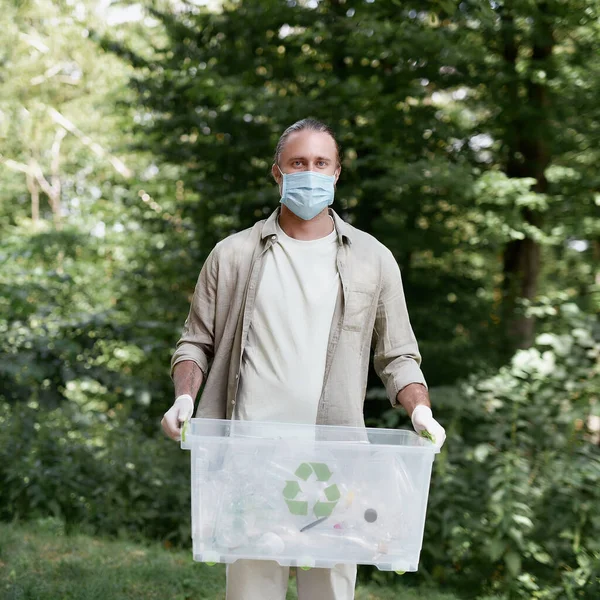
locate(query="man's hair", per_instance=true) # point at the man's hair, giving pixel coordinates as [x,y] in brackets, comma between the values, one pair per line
[310,124]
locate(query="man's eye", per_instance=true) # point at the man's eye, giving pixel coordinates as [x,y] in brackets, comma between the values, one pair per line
[321,163]
[297,163]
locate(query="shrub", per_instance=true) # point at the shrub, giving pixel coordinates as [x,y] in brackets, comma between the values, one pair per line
[92,469]
[513,507]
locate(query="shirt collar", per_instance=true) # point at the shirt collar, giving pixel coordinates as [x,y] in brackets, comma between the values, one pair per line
[342,228]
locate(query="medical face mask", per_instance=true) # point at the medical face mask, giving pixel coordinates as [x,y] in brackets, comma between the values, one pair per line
[307,193]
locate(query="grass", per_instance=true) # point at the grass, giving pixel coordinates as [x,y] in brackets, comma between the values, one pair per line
[39,562]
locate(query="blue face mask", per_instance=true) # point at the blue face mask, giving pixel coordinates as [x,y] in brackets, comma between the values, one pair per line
[307,193]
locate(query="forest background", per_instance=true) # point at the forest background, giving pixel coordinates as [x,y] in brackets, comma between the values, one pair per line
[134,136]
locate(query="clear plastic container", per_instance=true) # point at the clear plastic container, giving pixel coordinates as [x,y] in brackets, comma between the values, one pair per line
[307,495]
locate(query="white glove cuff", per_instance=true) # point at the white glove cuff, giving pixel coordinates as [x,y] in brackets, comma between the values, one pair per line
[184,396]
[421,415]
[187,404]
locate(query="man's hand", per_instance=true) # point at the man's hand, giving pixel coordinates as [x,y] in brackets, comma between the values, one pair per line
[424,424]
[181,411]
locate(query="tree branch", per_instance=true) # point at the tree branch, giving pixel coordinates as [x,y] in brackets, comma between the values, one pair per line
[96,148]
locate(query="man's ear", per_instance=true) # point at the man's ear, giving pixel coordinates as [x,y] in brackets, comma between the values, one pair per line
[276,174]
[337,173]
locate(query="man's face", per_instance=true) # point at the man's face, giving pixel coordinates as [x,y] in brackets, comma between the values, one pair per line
[308,150]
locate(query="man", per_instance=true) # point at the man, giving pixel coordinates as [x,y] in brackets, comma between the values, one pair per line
[285,314]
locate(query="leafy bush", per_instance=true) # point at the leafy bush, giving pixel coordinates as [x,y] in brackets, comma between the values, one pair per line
[87,319]
[92,469]
[514,501]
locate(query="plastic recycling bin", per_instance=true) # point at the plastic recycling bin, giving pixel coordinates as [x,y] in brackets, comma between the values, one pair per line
[307,495]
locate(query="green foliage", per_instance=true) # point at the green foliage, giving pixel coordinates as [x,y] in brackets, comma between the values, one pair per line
[466,129]
[92,469]
[236,78]
[515,493]
[90,310]
[67,326]
[442,160]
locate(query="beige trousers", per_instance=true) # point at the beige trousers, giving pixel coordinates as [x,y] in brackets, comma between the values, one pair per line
[267,580]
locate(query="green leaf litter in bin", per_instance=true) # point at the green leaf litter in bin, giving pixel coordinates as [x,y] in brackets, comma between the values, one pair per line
[428,435]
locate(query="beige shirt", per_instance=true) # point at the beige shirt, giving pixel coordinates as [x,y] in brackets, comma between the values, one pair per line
[370,312]
[283,364]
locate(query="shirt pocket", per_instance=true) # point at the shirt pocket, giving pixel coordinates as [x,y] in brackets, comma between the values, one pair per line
[360,299]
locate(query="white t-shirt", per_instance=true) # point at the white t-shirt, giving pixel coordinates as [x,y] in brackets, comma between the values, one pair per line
[283,365]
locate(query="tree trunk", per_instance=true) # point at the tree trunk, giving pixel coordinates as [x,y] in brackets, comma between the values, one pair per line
[527,142]
[34,190]
[55,176]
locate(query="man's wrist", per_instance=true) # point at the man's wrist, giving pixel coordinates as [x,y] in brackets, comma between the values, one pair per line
[412,395]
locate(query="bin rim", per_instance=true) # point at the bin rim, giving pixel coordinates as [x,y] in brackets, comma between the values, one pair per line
[420,443]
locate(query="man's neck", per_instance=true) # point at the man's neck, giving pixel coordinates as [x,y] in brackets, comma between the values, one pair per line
[299,229]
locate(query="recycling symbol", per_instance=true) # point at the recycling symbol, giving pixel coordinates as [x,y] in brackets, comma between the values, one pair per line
[293,493]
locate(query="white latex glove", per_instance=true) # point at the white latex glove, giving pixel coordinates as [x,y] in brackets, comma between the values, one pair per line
[424,424]
[181,411]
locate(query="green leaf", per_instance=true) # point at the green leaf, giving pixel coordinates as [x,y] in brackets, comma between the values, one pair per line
[523,520]
[495,549]
[513,563]
[428,435]
[543,557]
[481,452]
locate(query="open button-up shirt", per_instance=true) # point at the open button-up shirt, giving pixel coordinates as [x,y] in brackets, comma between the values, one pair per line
[370,312]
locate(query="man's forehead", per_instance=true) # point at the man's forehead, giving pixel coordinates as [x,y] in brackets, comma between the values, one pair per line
[308,142]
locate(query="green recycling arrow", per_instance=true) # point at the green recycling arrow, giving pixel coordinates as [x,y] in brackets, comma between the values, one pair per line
[293,488]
